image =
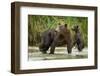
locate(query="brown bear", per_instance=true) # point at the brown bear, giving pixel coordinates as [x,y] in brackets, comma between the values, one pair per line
[78,38]
[50,38]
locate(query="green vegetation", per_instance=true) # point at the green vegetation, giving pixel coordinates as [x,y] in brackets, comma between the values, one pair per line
[38,24]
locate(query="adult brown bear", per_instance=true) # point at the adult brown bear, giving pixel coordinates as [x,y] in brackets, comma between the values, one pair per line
[50,38]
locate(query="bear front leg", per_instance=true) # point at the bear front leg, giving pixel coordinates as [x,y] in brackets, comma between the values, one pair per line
[53,45]
[69,49]
[52,49]
[80,47]
[69,46]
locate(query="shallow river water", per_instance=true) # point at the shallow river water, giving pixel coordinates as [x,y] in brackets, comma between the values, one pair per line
[60,53]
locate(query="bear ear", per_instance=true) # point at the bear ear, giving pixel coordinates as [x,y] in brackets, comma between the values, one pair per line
[77,26]
[59,23]
[65,25]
